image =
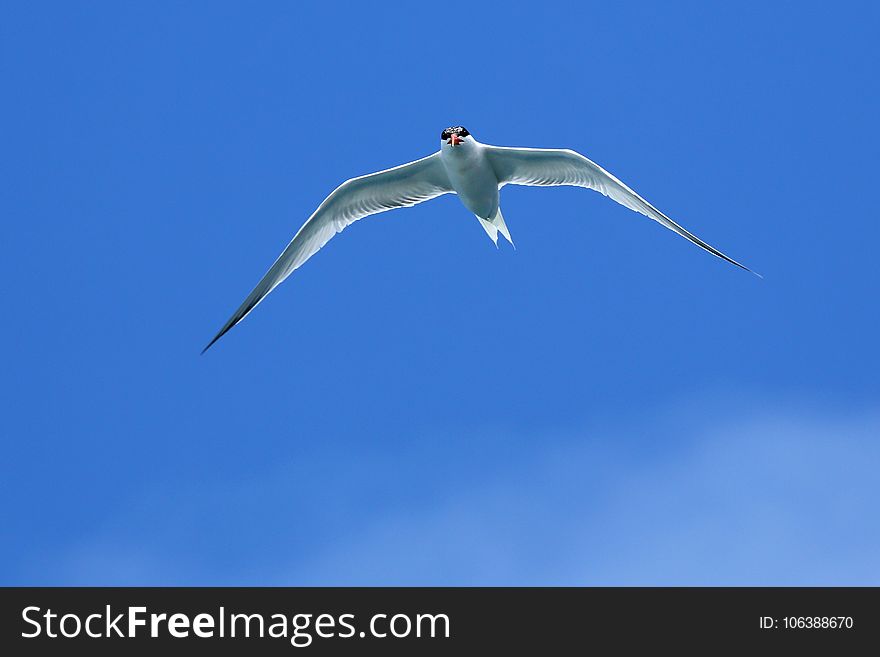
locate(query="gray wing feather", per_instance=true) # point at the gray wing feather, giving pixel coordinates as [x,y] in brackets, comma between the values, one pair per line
[400,187]
[546,167]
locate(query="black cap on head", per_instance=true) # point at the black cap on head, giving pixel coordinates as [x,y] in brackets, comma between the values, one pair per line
[459,130]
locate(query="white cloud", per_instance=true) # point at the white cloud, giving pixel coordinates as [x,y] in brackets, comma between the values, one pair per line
[781,497]
[770,499]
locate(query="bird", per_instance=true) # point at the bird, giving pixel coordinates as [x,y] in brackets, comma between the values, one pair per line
[474,171]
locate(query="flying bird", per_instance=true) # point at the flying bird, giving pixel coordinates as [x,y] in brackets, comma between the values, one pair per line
[463,166]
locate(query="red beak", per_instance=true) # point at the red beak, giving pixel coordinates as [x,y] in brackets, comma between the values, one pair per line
[454,139]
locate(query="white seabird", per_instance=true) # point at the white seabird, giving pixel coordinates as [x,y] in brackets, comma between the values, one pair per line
[464,166]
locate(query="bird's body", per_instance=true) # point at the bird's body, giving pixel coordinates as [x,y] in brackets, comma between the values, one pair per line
[463,166]
[471,176]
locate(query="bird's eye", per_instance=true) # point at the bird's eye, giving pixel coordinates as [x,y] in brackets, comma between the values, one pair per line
[444,134]
[463,132]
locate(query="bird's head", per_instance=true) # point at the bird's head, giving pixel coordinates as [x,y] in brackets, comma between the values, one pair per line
[454,136]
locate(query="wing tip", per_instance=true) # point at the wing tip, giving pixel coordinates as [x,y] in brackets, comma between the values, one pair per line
[742,266]
[221,333]
[211,343]
[243,311]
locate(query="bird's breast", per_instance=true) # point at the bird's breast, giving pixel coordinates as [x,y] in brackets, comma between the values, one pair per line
[473,179]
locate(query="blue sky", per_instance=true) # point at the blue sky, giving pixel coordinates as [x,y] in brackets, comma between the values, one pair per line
[604,405]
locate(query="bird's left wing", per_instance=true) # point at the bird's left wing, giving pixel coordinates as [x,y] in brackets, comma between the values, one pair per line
[402,186]
[546,166]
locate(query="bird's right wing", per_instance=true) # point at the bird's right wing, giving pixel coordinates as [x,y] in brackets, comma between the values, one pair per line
[548,166]
[402,186]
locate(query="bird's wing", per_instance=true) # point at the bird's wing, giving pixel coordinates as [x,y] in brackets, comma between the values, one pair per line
[402,186]
[545,166]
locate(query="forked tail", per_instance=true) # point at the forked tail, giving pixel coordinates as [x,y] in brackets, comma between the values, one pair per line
[494,225]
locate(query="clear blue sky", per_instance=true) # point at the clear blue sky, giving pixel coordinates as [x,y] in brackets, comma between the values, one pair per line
[606,404]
